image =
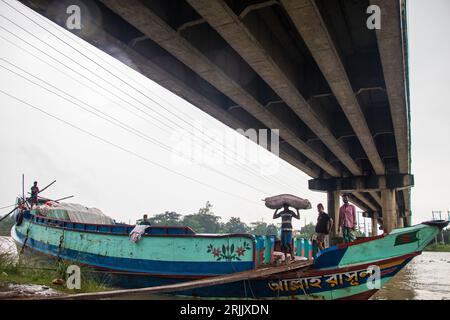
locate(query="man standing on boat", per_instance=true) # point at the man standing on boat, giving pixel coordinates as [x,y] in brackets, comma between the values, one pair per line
[323,226]
[347,220]
[286,229]
[34,194]
[145,221]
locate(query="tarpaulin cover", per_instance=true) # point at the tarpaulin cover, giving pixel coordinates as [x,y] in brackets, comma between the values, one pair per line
[74,212]
[277,202]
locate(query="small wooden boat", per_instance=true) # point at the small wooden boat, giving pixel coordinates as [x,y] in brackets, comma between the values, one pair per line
[174,255]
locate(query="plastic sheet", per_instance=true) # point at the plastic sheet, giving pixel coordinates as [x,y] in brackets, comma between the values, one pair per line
[74,212]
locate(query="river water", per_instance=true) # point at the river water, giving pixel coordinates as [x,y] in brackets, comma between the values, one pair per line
[426,277]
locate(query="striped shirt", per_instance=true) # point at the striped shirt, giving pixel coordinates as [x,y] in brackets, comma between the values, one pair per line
[286,220]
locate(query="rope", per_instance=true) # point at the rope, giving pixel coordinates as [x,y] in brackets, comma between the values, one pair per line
[25,242]
[61,241]
[6,215]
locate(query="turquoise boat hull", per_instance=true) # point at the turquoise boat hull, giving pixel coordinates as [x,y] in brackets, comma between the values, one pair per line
[167,255]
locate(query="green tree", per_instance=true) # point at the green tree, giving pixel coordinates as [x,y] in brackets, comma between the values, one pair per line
[6,225]
[205,221]
[168,218]
[261,228]
[307,231]
[272,230]
[235,225]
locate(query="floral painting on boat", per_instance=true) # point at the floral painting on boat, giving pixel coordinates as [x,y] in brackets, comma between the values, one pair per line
[228,252]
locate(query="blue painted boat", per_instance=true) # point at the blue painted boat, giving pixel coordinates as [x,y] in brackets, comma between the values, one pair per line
[168,255]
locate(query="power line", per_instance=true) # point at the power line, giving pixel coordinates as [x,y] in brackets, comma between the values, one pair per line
[101,66]
[114,75]
[105,116]
[74,71]
[6,207]
[122,148]
[125,127]
[83,76]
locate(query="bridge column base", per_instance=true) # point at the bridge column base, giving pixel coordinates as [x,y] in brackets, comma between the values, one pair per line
[333,210]
[389,210]
[374,230]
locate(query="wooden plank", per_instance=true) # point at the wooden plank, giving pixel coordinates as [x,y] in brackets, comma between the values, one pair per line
[211,281]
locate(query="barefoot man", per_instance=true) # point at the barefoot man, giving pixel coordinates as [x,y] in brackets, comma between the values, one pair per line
[286,228]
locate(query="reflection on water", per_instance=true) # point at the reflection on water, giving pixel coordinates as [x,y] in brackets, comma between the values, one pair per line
[426,277]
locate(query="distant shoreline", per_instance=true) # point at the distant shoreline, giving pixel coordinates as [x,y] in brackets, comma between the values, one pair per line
[438,248]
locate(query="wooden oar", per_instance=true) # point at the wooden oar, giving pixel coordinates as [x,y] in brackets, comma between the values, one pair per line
[47,186]
[23,190]
[211,281]
[64,198]
[47,199]
[4,217]
[6,207]
[40,191]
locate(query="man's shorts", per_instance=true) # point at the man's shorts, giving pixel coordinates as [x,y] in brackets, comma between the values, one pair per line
[286,239]
[320,237]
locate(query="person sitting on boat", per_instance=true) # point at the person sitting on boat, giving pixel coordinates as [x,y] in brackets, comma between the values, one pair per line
[347,220]
[34,194]
[286,228]
[323,226]
[144,221]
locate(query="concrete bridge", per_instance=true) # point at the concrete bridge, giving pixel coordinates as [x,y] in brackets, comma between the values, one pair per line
[335,88]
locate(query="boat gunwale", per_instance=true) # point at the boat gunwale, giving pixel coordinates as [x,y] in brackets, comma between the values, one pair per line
[319,272]
[193,235]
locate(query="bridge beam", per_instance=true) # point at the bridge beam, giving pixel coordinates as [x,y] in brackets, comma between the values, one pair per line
[150,24]
[269,64]
[110,44]
[394,60]
[362,201]
[363,183]
[311,27]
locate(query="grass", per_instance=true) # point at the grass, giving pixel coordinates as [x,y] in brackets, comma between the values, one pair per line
[24,272]
[438,247]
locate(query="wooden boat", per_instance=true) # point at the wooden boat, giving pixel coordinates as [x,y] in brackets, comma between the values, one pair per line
[171,255]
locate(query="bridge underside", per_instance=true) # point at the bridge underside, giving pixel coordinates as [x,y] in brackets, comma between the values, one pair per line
[337,91]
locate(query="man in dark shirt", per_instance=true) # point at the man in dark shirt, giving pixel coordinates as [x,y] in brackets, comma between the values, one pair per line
[286,228]
[145,221]
[323,226]
[34,194]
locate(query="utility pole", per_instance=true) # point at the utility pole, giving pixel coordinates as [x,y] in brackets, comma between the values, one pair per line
[357,218]
[435,238]
[442,230]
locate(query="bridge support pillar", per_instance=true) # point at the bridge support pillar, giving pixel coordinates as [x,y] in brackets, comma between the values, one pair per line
[389,210]
[374,230]
[400,222]
[333,210]
[408,219]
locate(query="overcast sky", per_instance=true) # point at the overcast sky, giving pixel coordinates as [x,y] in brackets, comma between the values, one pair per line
[128,169]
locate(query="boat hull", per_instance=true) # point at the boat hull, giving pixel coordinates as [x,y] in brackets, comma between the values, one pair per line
[351,271]
[348,283]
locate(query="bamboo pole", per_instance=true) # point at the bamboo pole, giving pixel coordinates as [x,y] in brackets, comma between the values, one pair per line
[211,281]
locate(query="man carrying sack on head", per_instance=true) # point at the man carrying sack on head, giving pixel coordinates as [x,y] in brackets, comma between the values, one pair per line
[286,229]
